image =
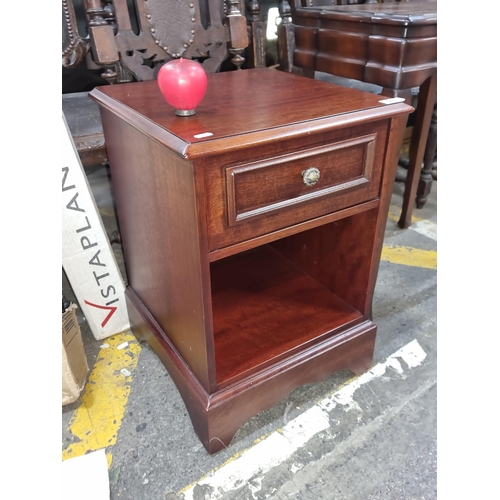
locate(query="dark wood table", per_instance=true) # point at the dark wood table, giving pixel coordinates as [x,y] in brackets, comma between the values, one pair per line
[252,233]
[393,45]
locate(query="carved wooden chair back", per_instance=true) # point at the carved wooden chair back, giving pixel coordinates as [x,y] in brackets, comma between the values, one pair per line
[207,30]
[74,47]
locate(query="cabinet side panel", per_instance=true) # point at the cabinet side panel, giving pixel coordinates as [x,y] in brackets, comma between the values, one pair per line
[396,126]
[155,198]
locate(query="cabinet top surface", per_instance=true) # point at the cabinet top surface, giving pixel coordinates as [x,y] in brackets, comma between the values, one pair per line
[408,13]
[243,108]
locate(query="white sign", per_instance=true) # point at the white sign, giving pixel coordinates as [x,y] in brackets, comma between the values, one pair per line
[87,257]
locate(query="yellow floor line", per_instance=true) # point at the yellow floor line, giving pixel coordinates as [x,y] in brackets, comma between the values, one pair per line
[408,256]
[97,420]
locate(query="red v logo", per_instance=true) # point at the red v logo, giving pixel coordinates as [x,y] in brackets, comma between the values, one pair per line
[111,310]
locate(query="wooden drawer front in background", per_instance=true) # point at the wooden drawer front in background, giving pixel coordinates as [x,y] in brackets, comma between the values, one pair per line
[247,200]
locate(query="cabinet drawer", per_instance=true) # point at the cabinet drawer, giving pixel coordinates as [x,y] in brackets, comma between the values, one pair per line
[256,189]
[249,199]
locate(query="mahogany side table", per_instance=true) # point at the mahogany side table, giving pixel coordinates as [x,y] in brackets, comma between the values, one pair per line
[252,233]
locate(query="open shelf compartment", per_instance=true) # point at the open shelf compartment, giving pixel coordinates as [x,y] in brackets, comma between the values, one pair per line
[265,308]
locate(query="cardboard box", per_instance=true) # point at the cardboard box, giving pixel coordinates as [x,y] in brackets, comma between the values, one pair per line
[74,360]
[87,256]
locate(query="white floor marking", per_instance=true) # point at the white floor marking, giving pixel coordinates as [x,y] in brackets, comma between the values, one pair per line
[425,227]
[411,353]
[281,444]
[421,226]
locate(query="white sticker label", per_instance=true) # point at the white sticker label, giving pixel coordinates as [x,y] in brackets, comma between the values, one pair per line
[202,136]
[392,100]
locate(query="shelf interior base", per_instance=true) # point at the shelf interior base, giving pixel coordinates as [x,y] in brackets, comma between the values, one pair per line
[265,308]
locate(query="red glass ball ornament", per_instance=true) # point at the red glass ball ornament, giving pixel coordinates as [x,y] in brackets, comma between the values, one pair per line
[183,84]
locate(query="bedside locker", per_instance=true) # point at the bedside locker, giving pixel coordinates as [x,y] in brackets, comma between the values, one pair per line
[252,233]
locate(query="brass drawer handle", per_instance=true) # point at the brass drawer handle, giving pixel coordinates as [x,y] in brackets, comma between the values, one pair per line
[310,176]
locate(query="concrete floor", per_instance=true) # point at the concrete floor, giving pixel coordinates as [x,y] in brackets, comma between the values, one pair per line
[369,437]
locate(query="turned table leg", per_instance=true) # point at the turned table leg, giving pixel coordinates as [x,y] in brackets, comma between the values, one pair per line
[426,177]
[423,113]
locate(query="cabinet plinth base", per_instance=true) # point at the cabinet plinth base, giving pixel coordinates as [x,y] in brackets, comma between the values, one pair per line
[216,417]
